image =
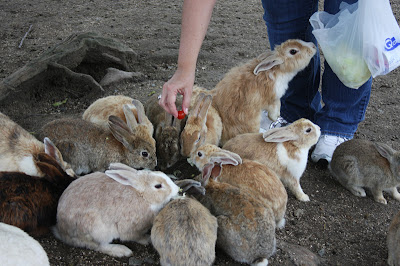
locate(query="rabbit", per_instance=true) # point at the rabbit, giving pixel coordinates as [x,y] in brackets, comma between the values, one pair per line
[30,202]
[393,241]
[19,248]
[284,150]
[246,227]
[118,204]
[359,164]
[203,124]
[99,111]
[90,148]
[228,167]
[18,148]
[167,132]
[258,85]
[185,233]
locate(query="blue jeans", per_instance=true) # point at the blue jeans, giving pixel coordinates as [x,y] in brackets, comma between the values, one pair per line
[344,108]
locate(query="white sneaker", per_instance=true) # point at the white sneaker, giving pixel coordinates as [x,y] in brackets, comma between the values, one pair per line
[325,147]
[267,123]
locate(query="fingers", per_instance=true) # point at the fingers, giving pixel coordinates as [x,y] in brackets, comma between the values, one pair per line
[186,101]
[167,101]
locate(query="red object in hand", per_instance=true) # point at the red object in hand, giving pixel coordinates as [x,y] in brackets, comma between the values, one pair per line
[181,114]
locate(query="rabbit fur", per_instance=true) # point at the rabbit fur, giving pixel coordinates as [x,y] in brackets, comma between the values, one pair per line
[99,111]
[284,150]
[229,168]
[359,164]
[90,148]
[18,149]
[167,132]
[185,233]
[30,202]
[118,204]
[246,227]
[19,248]
[203,125]
[393,241]
[258,85]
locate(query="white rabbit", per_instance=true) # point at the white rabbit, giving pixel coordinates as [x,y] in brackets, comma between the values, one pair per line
[118,204]
[284,150]
[19,248]
[359,164]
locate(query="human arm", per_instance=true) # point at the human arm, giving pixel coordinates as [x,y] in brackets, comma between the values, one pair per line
[196,15]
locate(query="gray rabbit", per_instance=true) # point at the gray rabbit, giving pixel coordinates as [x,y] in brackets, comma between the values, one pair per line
[359,164]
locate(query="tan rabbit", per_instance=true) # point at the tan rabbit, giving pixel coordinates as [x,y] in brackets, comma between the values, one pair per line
[228,167]
[99,111]
[246,227]
[18,150]
[258,84]
[185,233]
[393,241]
[284,150]
[90,148]
[203,124]
[359,164]
[167,132]
[118,204]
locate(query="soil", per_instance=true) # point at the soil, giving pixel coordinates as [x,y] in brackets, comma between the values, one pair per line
[338,227]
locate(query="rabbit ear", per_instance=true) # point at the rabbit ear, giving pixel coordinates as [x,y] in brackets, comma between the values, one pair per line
[125,178]
[225,157]
[176,123]
[385,150]
[140,110]
[267,63]
[130,117]
[199,100]
[281,134]
[51,149]
[190,184]
[168,119]
[206,102]
[121,166]
[211,170]
[119,129]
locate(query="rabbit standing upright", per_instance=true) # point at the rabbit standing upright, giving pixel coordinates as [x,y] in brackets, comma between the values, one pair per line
[393,241]
[228,167]
[203,124]
[118,204]
[167,132]
[18,149]
[258,85]
[284,150]
[359,164]
[30,202]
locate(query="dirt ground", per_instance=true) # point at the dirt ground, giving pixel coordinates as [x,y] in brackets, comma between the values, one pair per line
[339,228]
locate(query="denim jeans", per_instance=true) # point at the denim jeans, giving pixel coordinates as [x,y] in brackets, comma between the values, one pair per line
[343,108]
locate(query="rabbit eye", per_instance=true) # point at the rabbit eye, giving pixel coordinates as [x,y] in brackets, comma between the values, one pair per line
[199,154]
[145,154]
[308,130]
[293,51]
[158,186]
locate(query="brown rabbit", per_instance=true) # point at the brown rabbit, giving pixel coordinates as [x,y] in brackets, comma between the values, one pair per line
[99,111]
[18,150]
[258,84]
[185,233]
[284,150]
[203,124]
[90,148]
[167,132]
[246,227]
[359,164]
[228,167]
[393,241]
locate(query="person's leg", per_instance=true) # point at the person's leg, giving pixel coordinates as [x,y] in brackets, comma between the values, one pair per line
[344,108]
[289,19]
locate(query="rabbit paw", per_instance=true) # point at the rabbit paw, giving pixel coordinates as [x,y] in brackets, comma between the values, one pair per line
[116,250]
[381,200]
[303,197]
[281,223]
[358,191]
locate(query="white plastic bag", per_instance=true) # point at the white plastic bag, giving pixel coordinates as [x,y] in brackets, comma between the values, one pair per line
[341,43]
[381,36]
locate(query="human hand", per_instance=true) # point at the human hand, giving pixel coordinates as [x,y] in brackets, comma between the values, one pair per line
[182,83]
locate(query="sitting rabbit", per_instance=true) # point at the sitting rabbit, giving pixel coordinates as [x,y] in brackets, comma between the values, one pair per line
[359,164]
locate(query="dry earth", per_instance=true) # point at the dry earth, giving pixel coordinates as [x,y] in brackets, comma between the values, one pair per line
[338,227]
